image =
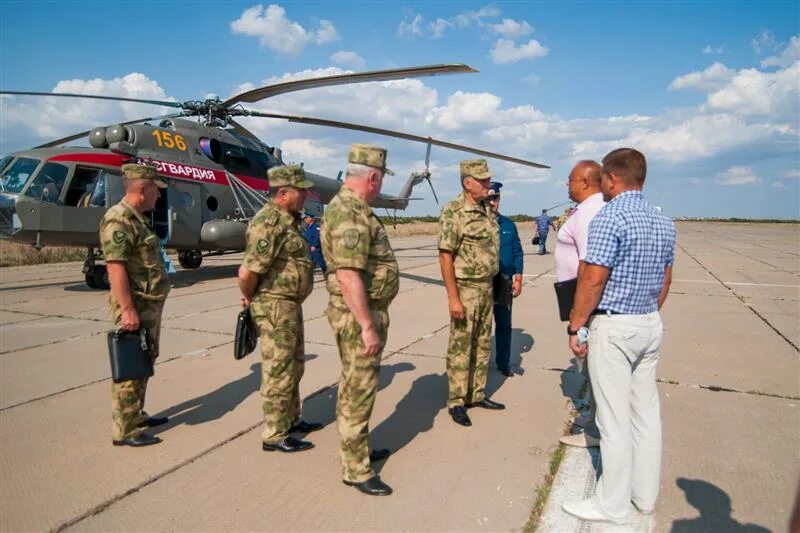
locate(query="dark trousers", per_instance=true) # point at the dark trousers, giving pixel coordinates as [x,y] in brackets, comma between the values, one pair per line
[319,261]
[502,336]
[543,242]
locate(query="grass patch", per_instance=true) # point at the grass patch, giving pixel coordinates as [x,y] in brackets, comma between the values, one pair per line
[543,491]
[15,254]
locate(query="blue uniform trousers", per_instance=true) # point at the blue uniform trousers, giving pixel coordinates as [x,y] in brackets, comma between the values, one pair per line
[542,243]
[502,336]
[319,261]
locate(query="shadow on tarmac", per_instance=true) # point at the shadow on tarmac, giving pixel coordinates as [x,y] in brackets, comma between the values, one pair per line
[714,506]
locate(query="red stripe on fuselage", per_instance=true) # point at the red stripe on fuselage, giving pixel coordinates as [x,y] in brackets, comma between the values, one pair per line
[171,170]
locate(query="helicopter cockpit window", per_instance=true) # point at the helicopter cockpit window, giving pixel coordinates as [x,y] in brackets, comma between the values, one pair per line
[16,176]
[47,184]
[98,198]
[5,162]
[81,186]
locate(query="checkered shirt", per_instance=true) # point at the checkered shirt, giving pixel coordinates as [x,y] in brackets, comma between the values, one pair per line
[636,243]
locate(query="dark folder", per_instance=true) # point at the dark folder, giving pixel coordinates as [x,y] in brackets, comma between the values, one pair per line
[502,290]
[131,355]
[246,336]
[565,294]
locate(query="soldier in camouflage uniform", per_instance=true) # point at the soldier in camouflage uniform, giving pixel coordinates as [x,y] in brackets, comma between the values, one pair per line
[139,287]
[275,278]
[469,247]
[362,280]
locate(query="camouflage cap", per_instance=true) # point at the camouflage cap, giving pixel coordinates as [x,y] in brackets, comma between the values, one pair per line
[475,168]
[288,176]
[137,171]
[372,156]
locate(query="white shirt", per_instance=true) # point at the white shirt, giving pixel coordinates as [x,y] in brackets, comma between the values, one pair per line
[573,237]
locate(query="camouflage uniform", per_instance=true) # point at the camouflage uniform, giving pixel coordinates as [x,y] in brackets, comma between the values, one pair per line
[353,237]
[471,233]
[126,237]
[278,253]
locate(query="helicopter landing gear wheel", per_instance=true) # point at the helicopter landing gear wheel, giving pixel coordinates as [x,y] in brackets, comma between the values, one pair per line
[100,275]
[89,277]
[190,258]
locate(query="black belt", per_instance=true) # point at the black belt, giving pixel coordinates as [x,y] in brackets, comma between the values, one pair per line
[605,312]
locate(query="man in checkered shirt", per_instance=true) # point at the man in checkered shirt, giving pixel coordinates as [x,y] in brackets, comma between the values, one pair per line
[623,281]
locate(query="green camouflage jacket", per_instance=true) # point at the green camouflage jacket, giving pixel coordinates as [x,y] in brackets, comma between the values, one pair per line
[277,251]
[471,233]
[353,237]
[126,237]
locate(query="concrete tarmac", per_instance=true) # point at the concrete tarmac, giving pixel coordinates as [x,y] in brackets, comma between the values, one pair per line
[730,372]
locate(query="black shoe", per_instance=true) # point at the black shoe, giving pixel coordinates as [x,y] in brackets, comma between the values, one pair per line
[153,421]
[379,455]
[460,415]
[288,445]
[142,439]
[507,373]
[486,403]
[373,486]
[306,427]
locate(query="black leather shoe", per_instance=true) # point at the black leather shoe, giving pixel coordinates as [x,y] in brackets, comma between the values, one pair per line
[507,373]
[373,486]
[142,439]
[379,455]
[460,415]
[154,421]
[288,445]
[306,427]
[486,403]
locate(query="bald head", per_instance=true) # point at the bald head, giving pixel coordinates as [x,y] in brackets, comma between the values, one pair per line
[584,180]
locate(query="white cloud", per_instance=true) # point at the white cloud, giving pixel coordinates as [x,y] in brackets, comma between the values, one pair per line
[738,176]
[468,18]
[714,77]
[276,32]
[348,59]
[713,49]
[511,29]
[326,32]
[764,42]
[532,79]
[412,27]
[299,149]
[793,173]
[506,51]
[789,55]
[777,184]
[438,26]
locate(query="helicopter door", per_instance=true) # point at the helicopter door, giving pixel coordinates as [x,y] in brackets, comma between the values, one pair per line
[159,216]
[185,213]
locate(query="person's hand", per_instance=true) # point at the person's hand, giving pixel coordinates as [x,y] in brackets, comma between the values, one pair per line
[313,248]
[245,301]
[372,342]
[456,309]
[516,286]
[129,321]
[578,351]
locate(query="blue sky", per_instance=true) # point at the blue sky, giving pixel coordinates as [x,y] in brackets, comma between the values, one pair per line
[710,91]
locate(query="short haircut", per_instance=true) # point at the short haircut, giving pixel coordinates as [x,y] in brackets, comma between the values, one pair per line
[359,171]
[593,170]
[627,163]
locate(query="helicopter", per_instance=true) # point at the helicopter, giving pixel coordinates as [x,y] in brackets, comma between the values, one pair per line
[215,168]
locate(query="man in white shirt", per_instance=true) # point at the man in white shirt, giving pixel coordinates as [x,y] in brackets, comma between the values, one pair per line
[584,188]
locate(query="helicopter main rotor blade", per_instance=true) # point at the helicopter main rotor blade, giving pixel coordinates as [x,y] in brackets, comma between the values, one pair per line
[242,130]
[397,134]
[341,79]
[87,132]
[118,98]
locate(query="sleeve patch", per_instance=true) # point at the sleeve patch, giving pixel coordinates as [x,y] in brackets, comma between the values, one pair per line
[119,237]
[262,246]
[351,238]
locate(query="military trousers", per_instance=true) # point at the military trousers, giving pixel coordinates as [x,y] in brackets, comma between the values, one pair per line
[469,347]
[127,397]
[280,328]
[358,386]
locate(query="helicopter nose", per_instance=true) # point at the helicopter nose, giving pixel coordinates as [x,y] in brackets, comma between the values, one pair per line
[9,221]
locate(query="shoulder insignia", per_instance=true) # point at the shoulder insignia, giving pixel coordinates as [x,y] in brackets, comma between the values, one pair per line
[351,237]
[262,246]
[118,236]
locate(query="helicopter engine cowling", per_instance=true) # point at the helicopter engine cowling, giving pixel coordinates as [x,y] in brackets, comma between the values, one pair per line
[118,133]
[224,234]
[97,138]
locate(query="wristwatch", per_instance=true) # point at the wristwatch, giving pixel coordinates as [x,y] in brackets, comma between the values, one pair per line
[572,332]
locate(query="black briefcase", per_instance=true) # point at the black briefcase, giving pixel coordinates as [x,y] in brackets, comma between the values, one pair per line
[565,294]
[501,289]
[131,354]
[535,239]
[246,336]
